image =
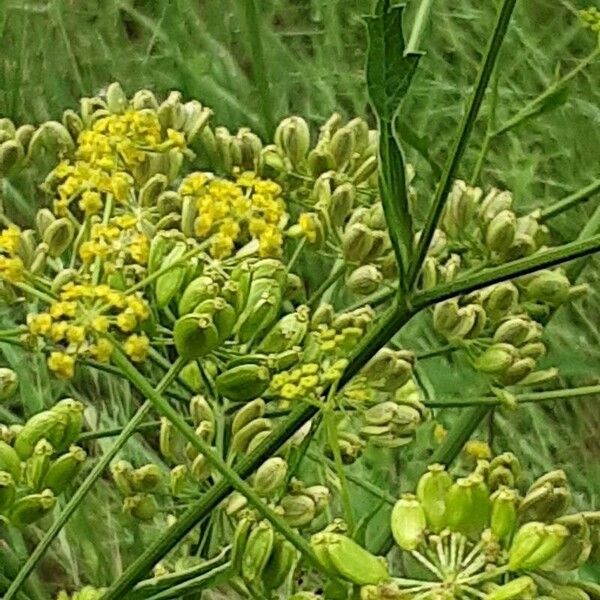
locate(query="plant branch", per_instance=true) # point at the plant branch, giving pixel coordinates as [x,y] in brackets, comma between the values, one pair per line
[419,26]
[569,202]
[462,139]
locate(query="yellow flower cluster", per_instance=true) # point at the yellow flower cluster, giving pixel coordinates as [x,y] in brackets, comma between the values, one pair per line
[11,265]
[75,323]
[306,382]
[117,241]
[235,212]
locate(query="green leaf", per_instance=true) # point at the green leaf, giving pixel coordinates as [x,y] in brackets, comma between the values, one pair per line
[389,70]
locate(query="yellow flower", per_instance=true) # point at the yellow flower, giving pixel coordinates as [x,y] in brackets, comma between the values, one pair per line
[203,224]
[137,347]
[138,306]
[63,309]
[58,331]
[75,334]
[102,350]
[121,186]
[90,202]
[139,248]
[221,246]
[176,138]
[100,324]
[126,321]
[9,239]
[289,391]
[478,450]
[192,184]
[229,228]
[270,242]
[309,226]
[11,269]
[39,324]
[61,364]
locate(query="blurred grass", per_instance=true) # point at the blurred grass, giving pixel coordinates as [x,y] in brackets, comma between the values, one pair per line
[55,51]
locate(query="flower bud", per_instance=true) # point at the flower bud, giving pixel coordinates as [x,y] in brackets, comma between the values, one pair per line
[342,146]
[349,560]
[51,137]
[365,170]
[280,565]
[144,99]
[259,546]
[247,413]
[577,548]
[320,495]
[432,491]
[116,100]
[494,203]
[243,383]
[8,383]
[504,513]
[547,498]
[460,208]
[292,136]
[195,336]
[551,287]
[500,299]
[501,231]
[9,460]
[64,469]
[429,273]
[59,235]
[200,469]
[408,522]
[11,154]
[244,436]
[196,119]
[141,506]
[364,280]
[37,464]
[554,538]
[73,411]
[446,316]
[513,331]
[522,588]
[357,242]
[270,476]
[298,509]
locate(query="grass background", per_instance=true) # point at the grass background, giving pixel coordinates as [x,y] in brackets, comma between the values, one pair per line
[55,51]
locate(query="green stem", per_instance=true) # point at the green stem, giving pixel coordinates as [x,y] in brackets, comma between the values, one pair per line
[462,139]
[259,65]
[87,484]
[35,292]
[516,268]
[388,325]
[97,268]
[228,474]
[419,26]
[335,274]
[569,202]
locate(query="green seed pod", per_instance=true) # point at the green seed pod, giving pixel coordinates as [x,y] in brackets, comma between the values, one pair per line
[257,440]
[196,119]
[200,289]
[500,299]
[170,282]
[522,588]
[380,365]
[244,436]
[446,316]
[294,290]
[533,350]
[357,242]
[289,331]
[320,495]
[201,410]
[144,99]
[259,546]
[206,432]
[72,122]
[500,477]
[152,189]
[577,548]
[31,508]
[64,469]
[494,203]
[554,538]
[59,236]
[141,506]
[200,469]
[527,539]
[496,359]
[9,460]
[243,383]
[432,491]
[195,336]
[429,273]
[545,502]
[121,473]
[8,490]
[235,503]
[341,146]
[9,382]
[43,219]
[73,411]
[11,154]
[116,100]
[270,476]
[240,540]
[251,150]
[177,479]
[501,231]
[517,371]
[460,208]
[171,113]
[171,442]
[408,522]
[281,564]
[340,204]
[364,280]
[551,287]
[569,592]
[37,464]
[147,478]
[222,314]
[253,410]
[298,509]
[349,560]
[260,312]
[320,161]
[365,170]
[51,137]
[504,513]
[468,506]
[292,137]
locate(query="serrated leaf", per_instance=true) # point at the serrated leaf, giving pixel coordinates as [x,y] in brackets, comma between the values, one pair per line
[389,70]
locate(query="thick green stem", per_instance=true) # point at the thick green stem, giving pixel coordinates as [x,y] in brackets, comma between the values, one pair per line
[87,484]
[582,195]
[419,26]
[516,268]
[462,139]
[388,325]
